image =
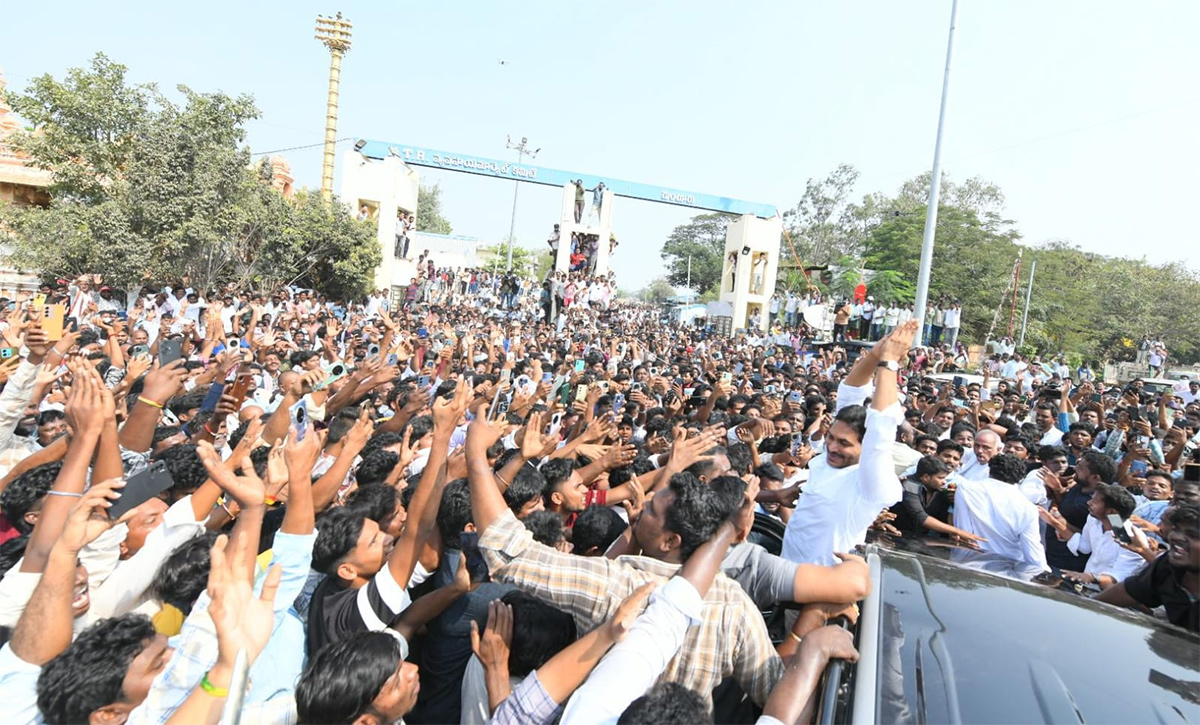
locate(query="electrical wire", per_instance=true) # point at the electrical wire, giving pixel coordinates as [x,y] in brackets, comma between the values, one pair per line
[297,148]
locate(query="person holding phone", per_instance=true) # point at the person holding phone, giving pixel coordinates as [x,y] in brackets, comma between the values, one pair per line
[1108,562]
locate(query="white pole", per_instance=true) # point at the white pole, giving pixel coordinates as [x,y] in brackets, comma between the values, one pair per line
[512,225]
[1028,294]
[935,182]
[689,284]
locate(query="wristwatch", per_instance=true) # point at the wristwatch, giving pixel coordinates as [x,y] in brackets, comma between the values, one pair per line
[890,365]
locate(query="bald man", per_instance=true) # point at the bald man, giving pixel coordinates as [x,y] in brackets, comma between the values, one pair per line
[975,462]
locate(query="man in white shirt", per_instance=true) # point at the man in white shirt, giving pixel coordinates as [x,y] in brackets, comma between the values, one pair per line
[1045,417]
[952,321]
[792,302]
[975,462]
[996,510]
[856,478]
[1109,563]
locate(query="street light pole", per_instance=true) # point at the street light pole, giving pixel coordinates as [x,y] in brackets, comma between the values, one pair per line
[1028,294]
[935,183]
[522,149]
[335,34]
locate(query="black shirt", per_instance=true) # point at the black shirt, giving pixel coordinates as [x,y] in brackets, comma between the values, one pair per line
[1074,508]
[337,611]
[917,505]
[1160,584]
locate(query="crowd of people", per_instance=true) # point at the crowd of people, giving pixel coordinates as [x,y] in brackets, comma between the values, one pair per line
[476,504]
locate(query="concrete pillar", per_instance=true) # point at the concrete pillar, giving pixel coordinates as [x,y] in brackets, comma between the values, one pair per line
[749,268]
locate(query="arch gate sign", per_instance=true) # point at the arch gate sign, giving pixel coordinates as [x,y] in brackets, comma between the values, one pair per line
[757,228]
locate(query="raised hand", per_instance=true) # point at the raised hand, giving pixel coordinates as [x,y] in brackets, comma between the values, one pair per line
[163,383]
[242,620]
[89,518]
[636,501]
[492,646]
[628,611]
[247,489]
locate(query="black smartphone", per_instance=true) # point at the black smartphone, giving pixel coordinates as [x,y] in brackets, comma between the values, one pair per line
[140,488]
[169,351]
[1191,472]
[1120,528]
[476,567]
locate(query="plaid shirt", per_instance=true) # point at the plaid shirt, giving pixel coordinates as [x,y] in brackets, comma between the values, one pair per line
[731,639]
[529,704]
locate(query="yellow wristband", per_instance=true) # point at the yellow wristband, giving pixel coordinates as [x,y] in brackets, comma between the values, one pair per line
[796,637]
[147,401]
[212,689]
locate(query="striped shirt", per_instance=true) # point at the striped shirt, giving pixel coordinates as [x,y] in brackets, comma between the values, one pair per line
[730,641]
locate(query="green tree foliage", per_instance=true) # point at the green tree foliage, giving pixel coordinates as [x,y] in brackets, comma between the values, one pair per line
[429,210]
[147,189]
[657,292]
[525,262]
[702,239]
[1087,304]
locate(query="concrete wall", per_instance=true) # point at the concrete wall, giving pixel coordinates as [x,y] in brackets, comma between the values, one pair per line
[386,187]
[600,226]
[748,280]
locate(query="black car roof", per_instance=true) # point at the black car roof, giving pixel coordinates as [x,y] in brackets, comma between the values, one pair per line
[955,644]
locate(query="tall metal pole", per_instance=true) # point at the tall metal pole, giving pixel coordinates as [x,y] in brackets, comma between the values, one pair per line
[935,182]
[521,149]
[1028,294]
[689,284]
[335,34]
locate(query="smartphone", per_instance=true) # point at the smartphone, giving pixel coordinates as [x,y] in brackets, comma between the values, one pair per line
[299,417]
[727,378]
[169,351]
[618,402]
[548,377]
[1135,414]
[505,375]
[579,365]
[959,381]
[233,343]
[52,321]
[1191,472]
[7,352]
[1097,397]
[556,422]
[139,351]
[337,371]
[795,397]
[581,393]
[140,488]
[500,403]
[392,359]
[240,387]
[422,381]
[476,566]
[799,440]
[1120,528]
[39,299]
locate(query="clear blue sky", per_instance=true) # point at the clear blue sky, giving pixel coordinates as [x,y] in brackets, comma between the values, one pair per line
[1084,112]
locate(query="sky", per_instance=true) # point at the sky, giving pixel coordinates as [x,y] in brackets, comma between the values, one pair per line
[1084,112]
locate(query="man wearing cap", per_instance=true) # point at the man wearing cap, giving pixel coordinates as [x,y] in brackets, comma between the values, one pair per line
[107,302]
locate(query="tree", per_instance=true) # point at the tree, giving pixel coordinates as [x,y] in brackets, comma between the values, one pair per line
[146,189]
[525,261]
[703,240]
[429,210]
[657,292]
